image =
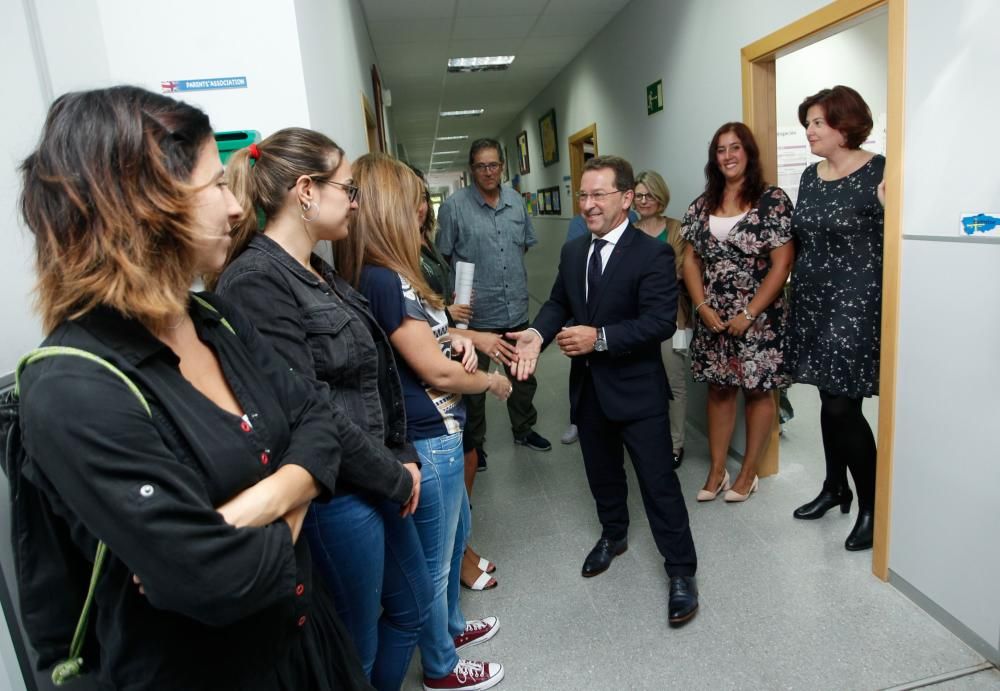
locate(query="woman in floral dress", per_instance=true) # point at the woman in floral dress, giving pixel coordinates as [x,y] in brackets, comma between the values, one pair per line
[740,231]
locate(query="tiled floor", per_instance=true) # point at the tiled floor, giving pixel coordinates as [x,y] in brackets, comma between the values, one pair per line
[783,605]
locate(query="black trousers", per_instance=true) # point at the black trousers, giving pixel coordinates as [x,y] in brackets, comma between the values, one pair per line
[520,405]
[603,443]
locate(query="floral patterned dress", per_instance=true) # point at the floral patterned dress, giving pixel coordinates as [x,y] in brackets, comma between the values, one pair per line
[733,271]
[837,282]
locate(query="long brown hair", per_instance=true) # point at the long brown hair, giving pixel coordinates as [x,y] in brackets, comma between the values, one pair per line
[753,180]
[106,196]
[384,230]
[263,183]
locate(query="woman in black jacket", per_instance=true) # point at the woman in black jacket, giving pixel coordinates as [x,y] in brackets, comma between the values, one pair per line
[200,500]
[365,543]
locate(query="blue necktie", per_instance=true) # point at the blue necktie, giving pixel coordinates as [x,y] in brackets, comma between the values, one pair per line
[594,269]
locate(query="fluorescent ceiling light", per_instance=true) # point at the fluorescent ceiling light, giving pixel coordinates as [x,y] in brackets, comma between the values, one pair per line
[472,112]
[445,153]
[453,138]
[495,62]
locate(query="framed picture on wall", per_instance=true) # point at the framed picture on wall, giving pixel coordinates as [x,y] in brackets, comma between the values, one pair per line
[379,113]
[549,138]
[523,165]
[506,165]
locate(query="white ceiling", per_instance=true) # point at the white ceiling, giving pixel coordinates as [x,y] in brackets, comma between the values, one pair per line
[413,40]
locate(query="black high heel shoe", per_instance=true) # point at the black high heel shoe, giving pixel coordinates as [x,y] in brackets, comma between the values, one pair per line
[862,535]
[826,500]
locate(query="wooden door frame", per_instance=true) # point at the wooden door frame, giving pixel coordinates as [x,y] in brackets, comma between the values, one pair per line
[576,141]
[371,124]
[759,114]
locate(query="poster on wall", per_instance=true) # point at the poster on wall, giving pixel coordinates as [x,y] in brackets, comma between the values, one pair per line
[549,138]
[523,164]
[506,165]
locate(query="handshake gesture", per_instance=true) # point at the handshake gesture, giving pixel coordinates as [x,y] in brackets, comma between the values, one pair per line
[572,341]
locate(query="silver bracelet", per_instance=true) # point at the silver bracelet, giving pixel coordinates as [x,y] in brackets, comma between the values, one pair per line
[700,305]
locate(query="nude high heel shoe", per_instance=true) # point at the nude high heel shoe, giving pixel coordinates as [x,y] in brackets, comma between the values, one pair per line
[706,495]
[732,496]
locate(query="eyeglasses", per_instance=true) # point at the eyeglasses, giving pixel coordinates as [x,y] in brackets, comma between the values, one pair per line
[643,197]
[596,197]
[352,190]
[491,167]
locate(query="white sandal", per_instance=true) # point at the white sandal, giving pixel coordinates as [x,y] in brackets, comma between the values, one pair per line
[482,583]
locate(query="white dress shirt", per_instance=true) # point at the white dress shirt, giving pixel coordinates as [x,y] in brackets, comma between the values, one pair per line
[612,238]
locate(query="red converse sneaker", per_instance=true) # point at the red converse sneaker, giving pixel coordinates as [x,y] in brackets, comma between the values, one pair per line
[467,676]
[477,631]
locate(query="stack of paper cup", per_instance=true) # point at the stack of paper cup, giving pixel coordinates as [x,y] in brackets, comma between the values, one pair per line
[464,272]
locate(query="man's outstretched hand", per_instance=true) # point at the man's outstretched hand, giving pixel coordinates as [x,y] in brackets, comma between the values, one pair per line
[528,346]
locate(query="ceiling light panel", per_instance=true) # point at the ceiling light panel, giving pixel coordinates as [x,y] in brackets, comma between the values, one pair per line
[470,113]
[483,64]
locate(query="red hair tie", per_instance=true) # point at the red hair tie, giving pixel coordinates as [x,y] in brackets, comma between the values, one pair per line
[254,152]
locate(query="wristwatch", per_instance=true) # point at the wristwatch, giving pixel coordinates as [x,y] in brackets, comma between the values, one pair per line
[746,313]
[600,345]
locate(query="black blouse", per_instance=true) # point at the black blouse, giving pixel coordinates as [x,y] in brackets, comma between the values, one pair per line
[223,607]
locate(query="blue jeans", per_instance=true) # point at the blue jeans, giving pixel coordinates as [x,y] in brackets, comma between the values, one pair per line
[439,518]
[373,563]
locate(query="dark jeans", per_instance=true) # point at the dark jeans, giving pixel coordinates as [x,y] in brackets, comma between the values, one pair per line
[848,443]
[603,443]
[373,562]
[520,406]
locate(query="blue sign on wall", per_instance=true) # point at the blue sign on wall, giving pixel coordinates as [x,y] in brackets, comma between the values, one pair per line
[211,84]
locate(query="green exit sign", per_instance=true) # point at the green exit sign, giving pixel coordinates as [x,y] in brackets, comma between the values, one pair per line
[654,97]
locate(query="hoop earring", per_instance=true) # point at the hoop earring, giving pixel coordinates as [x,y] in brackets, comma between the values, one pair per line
[305,210]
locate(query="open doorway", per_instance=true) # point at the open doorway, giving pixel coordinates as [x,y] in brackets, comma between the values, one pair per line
[760,112]
[582,148]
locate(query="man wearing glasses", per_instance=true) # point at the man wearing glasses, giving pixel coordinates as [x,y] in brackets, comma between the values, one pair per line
[486,224]
[619,286]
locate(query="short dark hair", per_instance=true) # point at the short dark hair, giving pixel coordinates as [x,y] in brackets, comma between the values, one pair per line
[624,177]
[844,110]
[753,179]
[484,143]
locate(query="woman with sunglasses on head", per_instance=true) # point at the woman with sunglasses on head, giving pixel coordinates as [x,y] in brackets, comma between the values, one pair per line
[381,257]
[365,543]
[740,232]
[651,199]
[200,496]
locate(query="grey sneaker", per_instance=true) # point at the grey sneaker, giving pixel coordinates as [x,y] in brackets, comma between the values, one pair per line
[570,436]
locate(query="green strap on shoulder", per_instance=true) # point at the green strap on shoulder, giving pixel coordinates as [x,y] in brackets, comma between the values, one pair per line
[71,667]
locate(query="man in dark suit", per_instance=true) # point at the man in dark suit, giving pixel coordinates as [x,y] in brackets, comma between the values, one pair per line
[620,288]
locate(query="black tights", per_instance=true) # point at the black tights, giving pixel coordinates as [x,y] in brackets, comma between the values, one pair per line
[848,443]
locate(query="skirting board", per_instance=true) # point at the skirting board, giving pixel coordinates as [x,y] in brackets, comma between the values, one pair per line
[964,633]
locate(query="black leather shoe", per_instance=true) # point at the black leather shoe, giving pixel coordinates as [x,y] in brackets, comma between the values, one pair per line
[678,458]
[826,500]
[683,603]
[600,557]
[863,534]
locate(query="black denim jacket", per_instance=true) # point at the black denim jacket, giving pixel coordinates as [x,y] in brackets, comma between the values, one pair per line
[325,332]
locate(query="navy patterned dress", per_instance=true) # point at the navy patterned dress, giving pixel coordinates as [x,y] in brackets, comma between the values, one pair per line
[733,271]
[837,282]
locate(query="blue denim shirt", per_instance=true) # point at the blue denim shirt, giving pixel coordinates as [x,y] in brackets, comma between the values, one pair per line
[323,329]
[495,240]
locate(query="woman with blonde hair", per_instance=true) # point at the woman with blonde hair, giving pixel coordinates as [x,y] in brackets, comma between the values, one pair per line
[200,489]
[652,196]
[365,541]
[381,257]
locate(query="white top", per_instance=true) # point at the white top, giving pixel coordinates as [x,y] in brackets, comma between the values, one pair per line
[720,226]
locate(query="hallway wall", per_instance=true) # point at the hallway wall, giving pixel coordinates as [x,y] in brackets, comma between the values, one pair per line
[945,529]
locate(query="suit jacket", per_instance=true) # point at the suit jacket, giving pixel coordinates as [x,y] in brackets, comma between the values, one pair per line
[636,304]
